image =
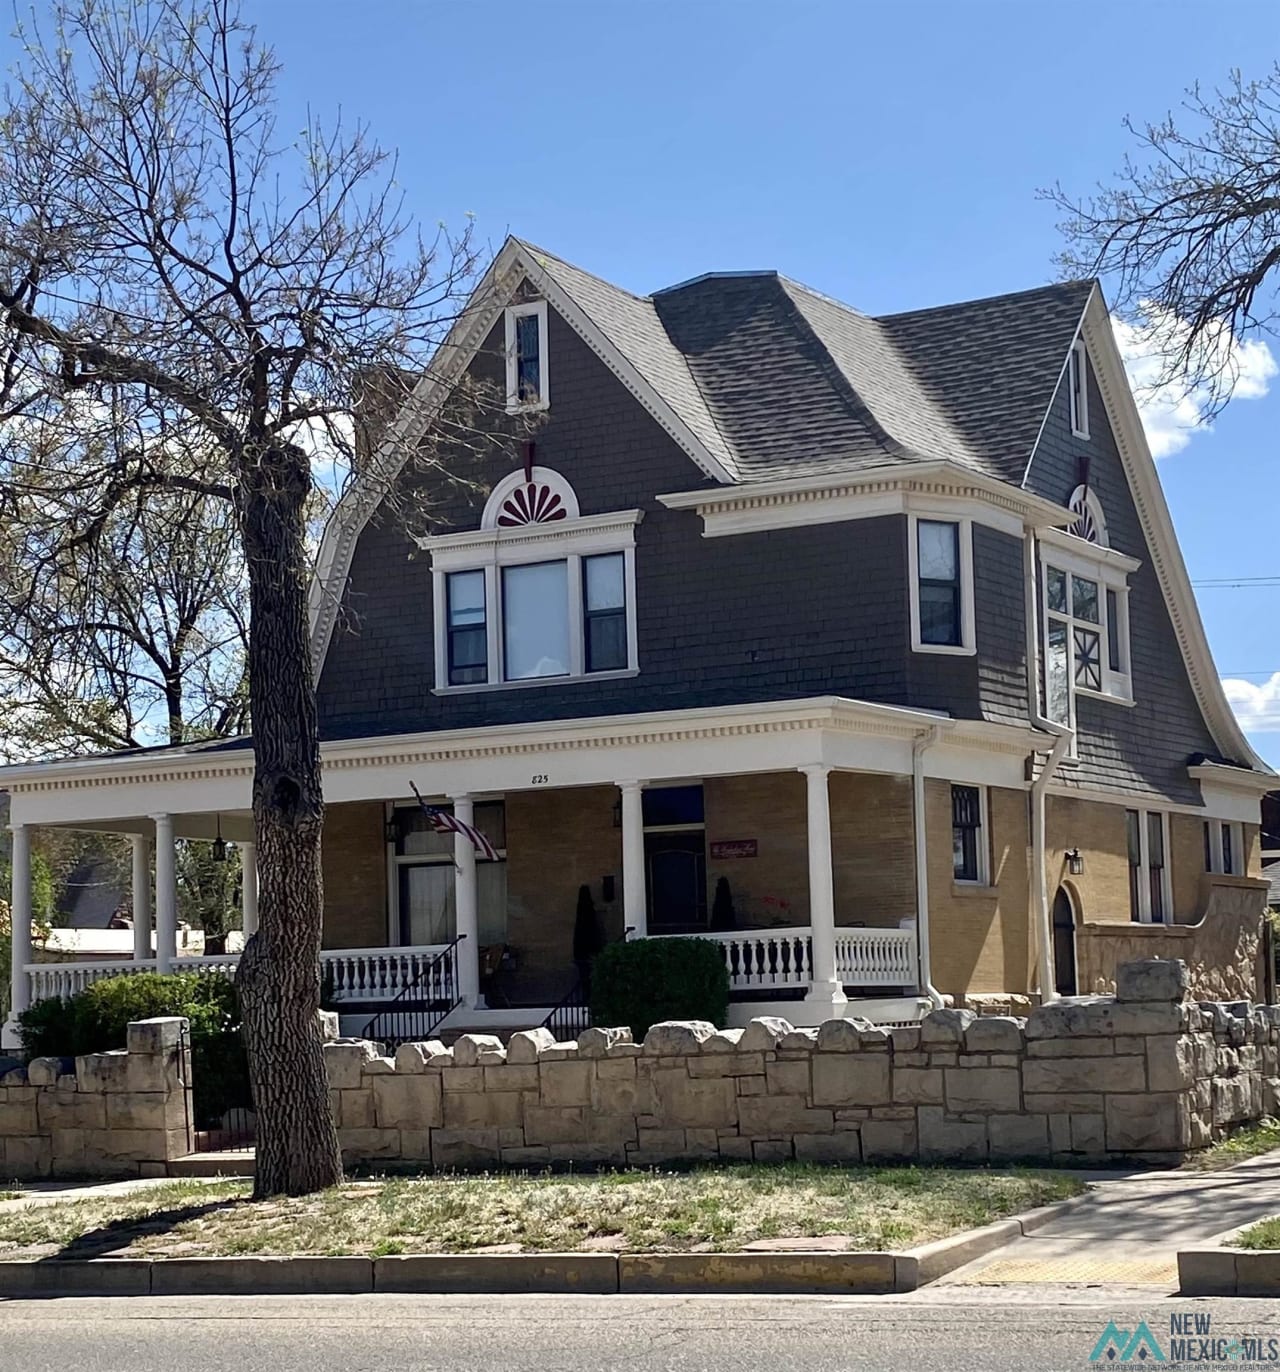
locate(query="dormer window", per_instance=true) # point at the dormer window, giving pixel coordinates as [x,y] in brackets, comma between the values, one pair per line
[526,349]
[1078,384]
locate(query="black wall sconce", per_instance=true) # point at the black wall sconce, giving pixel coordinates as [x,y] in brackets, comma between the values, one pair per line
[617,813]
[1075,862]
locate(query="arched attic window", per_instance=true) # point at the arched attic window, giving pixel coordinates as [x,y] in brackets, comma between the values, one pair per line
[547,499]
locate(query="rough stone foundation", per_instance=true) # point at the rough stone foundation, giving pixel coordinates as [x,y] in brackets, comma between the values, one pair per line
[1144,1075]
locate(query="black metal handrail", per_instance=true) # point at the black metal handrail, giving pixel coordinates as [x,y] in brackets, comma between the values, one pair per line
[571,1015]
[418,1009]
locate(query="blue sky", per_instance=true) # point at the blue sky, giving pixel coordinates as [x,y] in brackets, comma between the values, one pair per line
[887,154]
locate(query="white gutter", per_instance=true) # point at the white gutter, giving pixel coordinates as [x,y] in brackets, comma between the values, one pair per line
[1063,739]
[923,742]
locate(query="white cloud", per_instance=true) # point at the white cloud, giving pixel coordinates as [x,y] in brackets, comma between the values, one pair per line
[1171,414]
[1256,704]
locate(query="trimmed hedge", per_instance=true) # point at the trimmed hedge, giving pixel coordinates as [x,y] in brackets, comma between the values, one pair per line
[96,1020]
[641,983]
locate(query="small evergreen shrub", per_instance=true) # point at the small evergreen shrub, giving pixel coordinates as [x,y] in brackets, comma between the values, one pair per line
[641,983]
[96,1020]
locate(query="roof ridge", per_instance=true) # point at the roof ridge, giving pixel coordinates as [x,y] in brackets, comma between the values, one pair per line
[534,250]
[986,299]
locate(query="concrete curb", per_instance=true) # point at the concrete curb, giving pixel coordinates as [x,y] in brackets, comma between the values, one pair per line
[816,1272]
[1229,1271]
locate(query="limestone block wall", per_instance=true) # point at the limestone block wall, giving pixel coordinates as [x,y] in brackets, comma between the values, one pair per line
[1146,1074]
[123,1113]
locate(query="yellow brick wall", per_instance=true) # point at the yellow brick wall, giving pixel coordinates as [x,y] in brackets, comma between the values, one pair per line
[979,937]
[1101,891]
[873,851]
[558,841]
[1186,845]
[354,860]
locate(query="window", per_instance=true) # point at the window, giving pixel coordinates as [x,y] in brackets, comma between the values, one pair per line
[1145,839]
[604,612]
[468,656]
[1223,847]
[423,886]
[526,349]
[1078,384]
[941,561]
[968,838]
[1086,640]
[535,620]
[537,594]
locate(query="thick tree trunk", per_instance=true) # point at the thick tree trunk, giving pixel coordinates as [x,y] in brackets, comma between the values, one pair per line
[279,974]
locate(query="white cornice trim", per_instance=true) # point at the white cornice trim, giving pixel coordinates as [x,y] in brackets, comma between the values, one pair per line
[1087,554]
[835,714]
[513,263]
[832,498]
[567,532]
[1232,778]
[1162,541]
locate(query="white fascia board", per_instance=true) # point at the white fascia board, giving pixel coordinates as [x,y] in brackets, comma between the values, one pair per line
[1162,541]
[608,531]
[938,487]
[1074,554]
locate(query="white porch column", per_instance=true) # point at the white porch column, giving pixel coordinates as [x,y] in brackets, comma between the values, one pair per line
[141,898]
[467,906]
[635,915]
[825,985]
[166,894]
[248,888]
[20,914]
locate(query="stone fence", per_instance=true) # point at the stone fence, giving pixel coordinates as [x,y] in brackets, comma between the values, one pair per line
[1146,1075]
[123,1113]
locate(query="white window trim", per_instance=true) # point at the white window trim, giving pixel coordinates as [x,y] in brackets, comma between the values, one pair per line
[1078,365]
[967,646]
[1117,686]
[395,861]
[514,404]
[1218,866]
[1166,875]
[490,550]
[984,841]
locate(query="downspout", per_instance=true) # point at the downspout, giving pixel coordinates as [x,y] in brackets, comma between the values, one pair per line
[921,745]
[1063,739]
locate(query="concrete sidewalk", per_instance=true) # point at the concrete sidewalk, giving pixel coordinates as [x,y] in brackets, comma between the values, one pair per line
[1129,1228]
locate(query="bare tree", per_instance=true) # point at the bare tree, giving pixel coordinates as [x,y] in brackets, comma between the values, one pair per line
[174,267]
[1188,232]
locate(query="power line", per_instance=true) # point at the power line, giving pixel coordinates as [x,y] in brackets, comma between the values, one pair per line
[1247,583]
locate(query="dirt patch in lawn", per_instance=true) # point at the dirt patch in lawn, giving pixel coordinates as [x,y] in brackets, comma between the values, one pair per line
[720,1209]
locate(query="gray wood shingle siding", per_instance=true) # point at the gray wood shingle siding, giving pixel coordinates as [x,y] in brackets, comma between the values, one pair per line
[1143,747]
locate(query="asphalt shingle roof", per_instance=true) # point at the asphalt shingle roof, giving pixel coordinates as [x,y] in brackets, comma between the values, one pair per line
[775,379]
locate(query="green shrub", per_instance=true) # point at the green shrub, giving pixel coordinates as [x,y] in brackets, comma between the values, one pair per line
[641,983]
[96,1020]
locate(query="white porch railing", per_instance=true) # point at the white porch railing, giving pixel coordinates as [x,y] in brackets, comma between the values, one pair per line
[766,959]
[354,974]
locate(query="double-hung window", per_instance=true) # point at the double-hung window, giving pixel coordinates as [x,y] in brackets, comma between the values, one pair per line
[538,594]
[1146,840]
[941,562]
[968,834]
[1223,847]
[526,351]
[1085,618]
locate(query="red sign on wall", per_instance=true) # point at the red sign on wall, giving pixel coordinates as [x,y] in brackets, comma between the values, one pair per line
[733,848]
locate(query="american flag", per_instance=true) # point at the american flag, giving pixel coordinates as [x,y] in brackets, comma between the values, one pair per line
[444,822]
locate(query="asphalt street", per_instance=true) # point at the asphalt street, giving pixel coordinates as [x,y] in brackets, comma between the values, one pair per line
[930,1331]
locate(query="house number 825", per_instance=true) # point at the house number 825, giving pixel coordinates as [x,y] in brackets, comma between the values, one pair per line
[540,779]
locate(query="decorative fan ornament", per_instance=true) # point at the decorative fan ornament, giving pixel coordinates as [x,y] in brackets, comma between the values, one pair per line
[1086,526]
[532,503]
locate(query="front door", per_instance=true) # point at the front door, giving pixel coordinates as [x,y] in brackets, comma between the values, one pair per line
[1064,944]
[677,880]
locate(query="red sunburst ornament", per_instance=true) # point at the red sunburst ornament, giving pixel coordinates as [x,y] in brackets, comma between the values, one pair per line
[532,503]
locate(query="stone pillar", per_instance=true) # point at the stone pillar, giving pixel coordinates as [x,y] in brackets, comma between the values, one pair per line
[248,889]
[166,894]
[20,915]
[467,906]
[825,983]
[635,915]
[141,898]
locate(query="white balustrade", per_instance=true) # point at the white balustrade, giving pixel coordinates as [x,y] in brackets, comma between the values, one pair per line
[375,974]
[66,978]
[876,957]
[224,964]
[772,958]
